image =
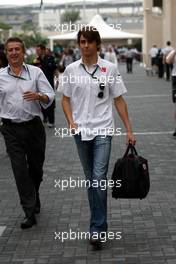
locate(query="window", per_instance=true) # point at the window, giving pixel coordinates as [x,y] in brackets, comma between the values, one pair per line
[158,3]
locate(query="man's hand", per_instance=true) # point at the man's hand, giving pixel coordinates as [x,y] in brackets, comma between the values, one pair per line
[30,96]
[130,138]
[73,128]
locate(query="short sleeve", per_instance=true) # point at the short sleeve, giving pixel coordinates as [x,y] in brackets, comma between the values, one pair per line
[116,84]
[64,84]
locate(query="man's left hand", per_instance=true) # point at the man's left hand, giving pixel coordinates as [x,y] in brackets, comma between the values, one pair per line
[130,138]
[30,96]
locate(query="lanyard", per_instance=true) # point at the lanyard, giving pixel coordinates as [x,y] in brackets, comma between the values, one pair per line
[101,85]
[91,74]
[19,77]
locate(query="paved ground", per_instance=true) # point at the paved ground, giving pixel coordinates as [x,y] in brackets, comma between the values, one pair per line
[148,227]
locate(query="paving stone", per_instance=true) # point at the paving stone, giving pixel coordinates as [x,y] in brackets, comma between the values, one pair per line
[148,227]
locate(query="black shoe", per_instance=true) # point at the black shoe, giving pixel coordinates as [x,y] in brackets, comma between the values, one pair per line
[95,242]
[104,237]
[37,205]
[28,222]
[174,134]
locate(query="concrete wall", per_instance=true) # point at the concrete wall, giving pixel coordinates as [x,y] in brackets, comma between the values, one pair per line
[169,21]
[158,28]
[153,32]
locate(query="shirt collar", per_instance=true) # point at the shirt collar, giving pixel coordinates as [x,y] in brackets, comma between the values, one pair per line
[24,67]
[99,62]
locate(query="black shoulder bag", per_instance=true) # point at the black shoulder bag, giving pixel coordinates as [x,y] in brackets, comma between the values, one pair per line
[131,176]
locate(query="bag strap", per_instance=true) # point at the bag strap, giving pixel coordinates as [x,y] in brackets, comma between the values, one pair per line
[131,148]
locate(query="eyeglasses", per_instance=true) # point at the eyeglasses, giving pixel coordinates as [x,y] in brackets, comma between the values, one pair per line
[101,93]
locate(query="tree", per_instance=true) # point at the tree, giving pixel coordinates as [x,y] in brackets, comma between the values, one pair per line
[4,26]
[70,16]
[31,36]
[28,26]
[33,39]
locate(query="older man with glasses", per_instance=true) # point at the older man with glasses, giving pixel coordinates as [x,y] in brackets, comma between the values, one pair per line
[87,104]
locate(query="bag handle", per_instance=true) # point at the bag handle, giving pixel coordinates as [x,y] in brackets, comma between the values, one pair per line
[131,148]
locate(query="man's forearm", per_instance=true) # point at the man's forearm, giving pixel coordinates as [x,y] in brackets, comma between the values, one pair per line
[170,57]
[67,110]
[122,110]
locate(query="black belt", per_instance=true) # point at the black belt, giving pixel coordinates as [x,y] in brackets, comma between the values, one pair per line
[7,121]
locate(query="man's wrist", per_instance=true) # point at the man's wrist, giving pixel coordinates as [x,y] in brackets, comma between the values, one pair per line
[39,96]
[71,124]
[43,98]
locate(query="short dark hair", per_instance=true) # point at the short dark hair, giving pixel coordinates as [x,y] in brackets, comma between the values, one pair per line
[15,39]
[168,43]
[3,59]
[91,34]
[41,46]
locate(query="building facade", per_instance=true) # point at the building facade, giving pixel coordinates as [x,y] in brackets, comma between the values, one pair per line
[159,24]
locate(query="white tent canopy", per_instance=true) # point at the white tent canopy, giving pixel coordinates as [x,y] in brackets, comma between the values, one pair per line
[107,32]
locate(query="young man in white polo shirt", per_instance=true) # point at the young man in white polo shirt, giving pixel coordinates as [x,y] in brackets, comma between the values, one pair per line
[89,86]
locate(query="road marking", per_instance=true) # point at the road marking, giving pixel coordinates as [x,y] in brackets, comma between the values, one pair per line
[2,228]
[147,96]
[151,133]
[133,96]
[127,82]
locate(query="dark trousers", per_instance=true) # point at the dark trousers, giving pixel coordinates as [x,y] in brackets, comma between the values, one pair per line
[168,69]
[160,69]
[129,64]
[25,144]
[174,89]
[49,113]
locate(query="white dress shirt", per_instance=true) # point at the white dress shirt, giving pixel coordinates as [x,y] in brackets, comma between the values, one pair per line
[12,104]
[93,115]
[111,56]
[167,50]
[153,52]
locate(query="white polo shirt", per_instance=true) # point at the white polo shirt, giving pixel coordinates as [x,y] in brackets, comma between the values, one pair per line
[167,49]
[153,52]
[93,115]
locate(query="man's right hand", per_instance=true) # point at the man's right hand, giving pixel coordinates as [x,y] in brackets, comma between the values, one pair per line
[73,128]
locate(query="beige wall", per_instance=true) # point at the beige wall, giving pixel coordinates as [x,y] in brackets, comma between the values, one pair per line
[153,33]
[158,28]
[169,21]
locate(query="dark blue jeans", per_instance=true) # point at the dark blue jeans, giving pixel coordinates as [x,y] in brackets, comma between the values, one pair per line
[94,156]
